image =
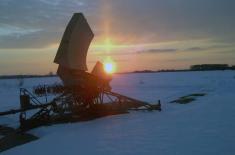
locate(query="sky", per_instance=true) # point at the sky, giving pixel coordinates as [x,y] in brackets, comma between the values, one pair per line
[133,34]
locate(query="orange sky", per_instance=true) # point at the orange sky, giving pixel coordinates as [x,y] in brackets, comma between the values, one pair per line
[133,34]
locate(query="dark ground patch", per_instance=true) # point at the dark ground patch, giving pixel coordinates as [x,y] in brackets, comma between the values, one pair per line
[195,95]
[188,98]
[12,138]
[4,130]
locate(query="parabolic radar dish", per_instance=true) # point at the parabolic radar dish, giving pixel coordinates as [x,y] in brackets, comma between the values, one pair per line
[74,45]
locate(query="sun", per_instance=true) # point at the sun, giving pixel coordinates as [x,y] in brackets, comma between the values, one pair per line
[109,67]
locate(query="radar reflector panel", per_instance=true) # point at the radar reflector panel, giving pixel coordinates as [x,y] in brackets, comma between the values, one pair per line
[74,45]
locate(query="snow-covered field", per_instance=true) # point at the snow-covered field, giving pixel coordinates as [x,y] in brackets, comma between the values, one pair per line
[203,127]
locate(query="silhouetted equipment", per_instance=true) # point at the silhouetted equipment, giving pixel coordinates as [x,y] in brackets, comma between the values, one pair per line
[83,95]
[73,48]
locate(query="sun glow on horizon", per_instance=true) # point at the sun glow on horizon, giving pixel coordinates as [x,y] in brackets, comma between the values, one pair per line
[108,45]
[105,45]
[109,66]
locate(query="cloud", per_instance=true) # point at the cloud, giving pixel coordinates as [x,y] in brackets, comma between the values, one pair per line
[29,39]
[158,51]
[35,23]
[195,49]
[115,60]
[8,30]
[161,50]
[141,22]
[134,52]
[211,47]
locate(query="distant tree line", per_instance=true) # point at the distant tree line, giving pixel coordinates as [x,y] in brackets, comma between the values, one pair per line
[206,67]
[24,76]
[201,67]
[144,71]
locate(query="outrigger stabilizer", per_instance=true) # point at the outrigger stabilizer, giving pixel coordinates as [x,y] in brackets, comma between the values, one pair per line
[70,106]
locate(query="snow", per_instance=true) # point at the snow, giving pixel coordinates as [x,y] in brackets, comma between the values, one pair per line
[205,126]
